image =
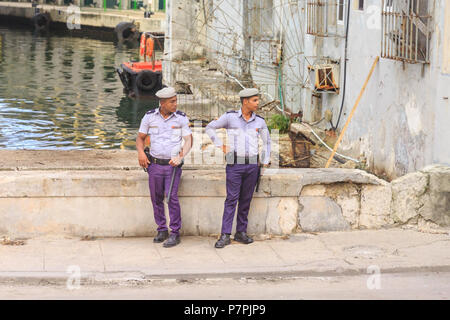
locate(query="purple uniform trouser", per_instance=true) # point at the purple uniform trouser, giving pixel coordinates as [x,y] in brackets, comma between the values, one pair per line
[159,177]
[241,183]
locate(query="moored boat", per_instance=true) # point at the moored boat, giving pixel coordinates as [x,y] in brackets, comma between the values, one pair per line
[142,78]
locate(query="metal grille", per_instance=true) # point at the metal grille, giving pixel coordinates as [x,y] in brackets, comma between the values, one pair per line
[321,14]
[406,30]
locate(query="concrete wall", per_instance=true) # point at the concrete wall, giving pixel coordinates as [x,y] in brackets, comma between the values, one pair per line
[116,202]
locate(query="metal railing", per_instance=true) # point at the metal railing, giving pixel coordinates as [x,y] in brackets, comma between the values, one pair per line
[406,30]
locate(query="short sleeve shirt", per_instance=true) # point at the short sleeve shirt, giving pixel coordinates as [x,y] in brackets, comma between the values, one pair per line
[242,135]
[165,134]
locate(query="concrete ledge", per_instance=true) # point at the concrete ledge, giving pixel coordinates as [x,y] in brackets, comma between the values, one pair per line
[194,183]
[105,193]
[116,202]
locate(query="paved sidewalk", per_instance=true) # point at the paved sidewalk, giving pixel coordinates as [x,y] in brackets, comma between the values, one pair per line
[139,259]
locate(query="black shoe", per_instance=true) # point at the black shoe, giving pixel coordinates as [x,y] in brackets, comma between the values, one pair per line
[161,236]
[223,241]
[242,237]
[173,240]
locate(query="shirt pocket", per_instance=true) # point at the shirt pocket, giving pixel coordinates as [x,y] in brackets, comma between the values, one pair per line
[234,131]
[175,133]
[153,130]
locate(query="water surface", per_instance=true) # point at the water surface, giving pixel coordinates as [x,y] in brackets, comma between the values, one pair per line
[62,92]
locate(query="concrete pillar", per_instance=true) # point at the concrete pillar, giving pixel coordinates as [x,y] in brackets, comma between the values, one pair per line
[181,16]
[246,74]
[167,66]
[125,4]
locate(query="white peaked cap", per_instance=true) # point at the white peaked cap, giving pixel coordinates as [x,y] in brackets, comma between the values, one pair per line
[166,93]
[249,92]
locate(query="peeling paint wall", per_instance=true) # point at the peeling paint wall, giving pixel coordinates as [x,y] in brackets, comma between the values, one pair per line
[401,124]
[446,40]
[402,120]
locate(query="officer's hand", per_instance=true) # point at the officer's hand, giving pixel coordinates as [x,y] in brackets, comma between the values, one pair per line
[175,161]
[225,149]
[143,160]
[263,168]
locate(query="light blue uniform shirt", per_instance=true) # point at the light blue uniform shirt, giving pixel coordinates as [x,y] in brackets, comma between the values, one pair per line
[165,134]
[242,135]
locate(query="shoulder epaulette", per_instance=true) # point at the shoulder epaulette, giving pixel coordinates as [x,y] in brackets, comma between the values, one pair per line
[260,117]
[232,111]
[150,111]
[181,113]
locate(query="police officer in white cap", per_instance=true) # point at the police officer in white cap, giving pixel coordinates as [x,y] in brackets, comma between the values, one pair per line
[167,128]
[244,127]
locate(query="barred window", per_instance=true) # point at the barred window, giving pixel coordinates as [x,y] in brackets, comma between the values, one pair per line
[406,30]
[361,5]
[340,10]
[321,16]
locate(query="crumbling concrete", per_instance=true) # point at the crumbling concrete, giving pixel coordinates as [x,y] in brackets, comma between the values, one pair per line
[423,196]
[321,214]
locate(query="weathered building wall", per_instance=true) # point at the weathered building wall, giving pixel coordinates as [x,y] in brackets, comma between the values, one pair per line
[400,125]
[441,149]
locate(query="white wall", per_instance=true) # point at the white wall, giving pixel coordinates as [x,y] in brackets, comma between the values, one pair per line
[401,124]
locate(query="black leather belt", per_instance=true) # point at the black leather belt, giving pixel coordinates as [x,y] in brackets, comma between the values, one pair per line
[232,158]
[163,162]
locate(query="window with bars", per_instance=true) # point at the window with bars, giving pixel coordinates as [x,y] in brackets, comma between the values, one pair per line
[361,5]
[340,11]
[322,16]
[406,30]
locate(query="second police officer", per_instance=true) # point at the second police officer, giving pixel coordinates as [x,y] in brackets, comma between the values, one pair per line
[244,127]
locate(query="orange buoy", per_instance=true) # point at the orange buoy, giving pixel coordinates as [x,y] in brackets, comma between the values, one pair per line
[142,46]
[149,47]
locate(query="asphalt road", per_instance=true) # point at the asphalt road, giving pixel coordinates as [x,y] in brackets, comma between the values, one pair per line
[386,286]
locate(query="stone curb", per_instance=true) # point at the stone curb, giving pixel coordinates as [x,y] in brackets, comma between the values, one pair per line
[140,278]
